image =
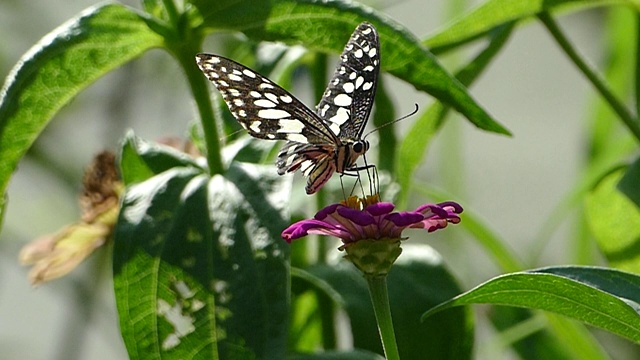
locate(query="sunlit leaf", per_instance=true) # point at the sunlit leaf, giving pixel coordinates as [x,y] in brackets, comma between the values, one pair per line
[605,298]
[615,223]
[62,64]
[200,270]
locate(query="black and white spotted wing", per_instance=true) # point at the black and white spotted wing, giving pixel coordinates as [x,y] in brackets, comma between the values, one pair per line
[319,143]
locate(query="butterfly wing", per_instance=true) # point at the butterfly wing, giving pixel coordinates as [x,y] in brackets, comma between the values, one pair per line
[348,99]
[263,108]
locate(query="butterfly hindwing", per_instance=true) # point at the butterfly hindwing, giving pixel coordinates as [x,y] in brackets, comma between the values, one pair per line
[263,108]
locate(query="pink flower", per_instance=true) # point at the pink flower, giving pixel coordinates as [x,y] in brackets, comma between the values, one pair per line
[375,221]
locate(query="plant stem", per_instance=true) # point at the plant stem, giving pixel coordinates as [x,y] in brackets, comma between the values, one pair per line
[380,300]
[198,85]
[629,120]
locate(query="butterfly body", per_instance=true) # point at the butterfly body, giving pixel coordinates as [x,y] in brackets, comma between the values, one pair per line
[319,143]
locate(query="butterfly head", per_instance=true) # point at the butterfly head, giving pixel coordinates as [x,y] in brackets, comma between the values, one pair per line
[360,147]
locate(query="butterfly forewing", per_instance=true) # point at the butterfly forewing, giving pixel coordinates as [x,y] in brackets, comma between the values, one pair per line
[347,102]
[263,108]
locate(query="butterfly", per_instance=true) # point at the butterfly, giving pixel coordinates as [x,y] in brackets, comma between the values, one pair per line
[318,143]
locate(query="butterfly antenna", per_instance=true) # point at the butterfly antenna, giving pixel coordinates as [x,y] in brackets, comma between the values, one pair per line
[392,122]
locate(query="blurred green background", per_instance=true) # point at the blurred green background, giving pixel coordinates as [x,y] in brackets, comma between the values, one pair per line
[512,183]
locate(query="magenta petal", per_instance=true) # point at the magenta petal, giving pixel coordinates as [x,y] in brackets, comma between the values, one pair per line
[405,218]
[451,206]
[302,228]
[380,208]
[358,217]
[322,214]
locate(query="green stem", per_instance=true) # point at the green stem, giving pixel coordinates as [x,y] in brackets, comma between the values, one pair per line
[380,300]
[172,11]
[198,85]
[629,120]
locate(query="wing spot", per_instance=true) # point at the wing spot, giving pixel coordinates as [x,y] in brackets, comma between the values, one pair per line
[368,68]
[286,98]
[359,82]
[249,73]
[342,100]
[348,87]
[291,126]
[297,138]
[238,102]
[242,113]
[335,128]
[255,94]
[223,69]
[271,136]
[234,92]
[366,31]
[352,76]
[271,97]
[255,126]
[273,114]
[367,86]
[358,53]
[234,77]
[373,52]
[265,85]
[264,103]
[341,116]
[223,83]
[324,109]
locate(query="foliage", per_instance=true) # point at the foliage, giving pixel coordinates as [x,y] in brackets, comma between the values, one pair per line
[199,268]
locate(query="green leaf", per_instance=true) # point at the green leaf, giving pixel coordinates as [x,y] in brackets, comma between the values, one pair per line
[615,223]
[200,270]
[62,64]
[141,159]
[412,150]
[629,185]
[326,26]
[490,14]
[605,298]
[417,278]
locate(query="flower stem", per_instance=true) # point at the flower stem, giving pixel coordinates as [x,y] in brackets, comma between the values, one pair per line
[380,300]
[618,107]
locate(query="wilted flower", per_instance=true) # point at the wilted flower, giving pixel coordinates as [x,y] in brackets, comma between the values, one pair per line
[370,231]
[53,256]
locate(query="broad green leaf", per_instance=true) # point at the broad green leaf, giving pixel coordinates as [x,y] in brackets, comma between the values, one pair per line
[605,298]
[141,159]
[412,149]
[492,13]
[62,64]
[200,270]
[418,277]
[629,185]
[615,223]
[326,26]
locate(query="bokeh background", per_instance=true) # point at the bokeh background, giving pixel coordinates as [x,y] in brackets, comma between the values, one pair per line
[514,183]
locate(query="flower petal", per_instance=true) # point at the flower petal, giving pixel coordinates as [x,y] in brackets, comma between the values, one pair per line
[358,217]
[405,218]
[312,226]
[322,214]
[380,208]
